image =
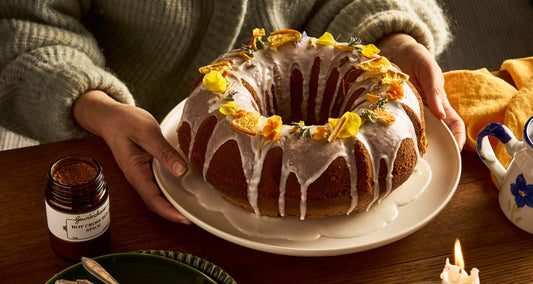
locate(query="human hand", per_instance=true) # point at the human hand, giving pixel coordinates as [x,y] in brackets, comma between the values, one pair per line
[135,138]
[425,74]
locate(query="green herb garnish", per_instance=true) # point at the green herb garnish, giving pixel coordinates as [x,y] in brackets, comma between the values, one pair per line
[303,131]
[259,43]
[355,42]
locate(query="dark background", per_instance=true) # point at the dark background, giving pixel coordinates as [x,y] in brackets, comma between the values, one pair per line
[486,32]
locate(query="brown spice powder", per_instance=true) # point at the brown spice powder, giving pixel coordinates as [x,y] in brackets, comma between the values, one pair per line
[74,174]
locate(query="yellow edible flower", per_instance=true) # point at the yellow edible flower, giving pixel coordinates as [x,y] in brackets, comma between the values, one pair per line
[326,39]
[215,82]
[350,128]
[369,50]
[229,108]
[272,128]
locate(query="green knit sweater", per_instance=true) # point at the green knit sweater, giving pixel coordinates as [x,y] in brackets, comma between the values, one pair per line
[147,52]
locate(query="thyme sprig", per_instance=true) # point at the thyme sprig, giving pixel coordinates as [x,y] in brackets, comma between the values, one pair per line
[229,96]
[259,43]
[355,42]
[302,131]
[248,51]
[368,113]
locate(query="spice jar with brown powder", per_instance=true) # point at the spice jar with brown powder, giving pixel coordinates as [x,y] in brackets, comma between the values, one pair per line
[77,207]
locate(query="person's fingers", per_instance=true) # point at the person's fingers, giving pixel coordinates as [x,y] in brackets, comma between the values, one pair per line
[431,84]
[151,196]
[434,100]
[160,149]
[426,75]
[455,123]
[139,173]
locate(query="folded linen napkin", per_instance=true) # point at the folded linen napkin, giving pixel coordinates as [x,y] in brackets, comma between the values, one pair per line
[481,97]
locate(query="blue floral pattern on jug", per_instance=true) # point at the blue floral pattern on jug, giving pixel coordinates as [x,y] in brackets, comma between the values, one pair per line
[523,192]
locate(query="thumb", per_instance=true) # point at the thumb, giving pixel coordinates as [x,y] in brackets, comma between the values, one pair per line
[432,85]
[169,158]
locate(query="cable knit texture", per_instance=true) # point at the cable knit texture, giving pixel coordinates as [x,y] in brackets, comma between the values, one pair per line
[148,52]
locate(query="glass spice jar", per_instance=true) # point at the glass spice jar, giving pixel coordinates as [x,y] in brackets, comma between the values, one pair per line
[77,208]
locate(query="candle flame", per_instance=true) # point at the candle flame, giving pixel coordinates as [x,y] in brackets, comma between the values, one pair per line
[458,254]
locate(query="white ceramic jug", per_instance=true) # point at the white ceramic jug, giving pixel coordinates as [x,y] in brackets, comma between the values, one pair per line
[515,182]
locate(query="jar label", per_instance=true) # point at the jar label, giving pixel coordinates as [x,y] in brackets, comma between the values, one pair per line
[78,227]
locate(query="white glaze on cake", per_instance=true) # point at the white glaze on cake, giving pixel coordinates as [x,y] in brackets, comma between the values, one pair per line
[259,73]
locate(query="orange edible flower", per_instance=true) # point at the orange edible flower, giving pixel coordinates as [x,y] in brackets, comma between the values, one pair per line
[272,128]
[395,91]
[320,133]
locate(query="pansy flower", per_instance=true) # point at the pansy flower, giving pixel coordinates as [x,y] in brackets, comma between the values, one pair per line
[272,127]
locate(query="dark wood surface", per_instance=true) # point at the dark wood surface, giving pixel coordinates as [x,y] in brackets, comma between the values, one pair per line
[502,252]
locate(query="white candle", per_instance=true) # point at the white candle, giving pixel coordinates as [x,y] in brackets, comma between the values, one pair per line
[456,274]
[453,274]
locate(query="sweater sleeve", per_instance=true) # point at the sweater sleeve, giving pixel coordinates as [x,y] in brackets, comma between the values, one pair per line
[47,60]
[371,20]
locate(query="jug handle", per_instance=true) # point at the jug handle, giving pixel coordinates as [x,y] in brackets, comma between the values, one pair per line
[485,151]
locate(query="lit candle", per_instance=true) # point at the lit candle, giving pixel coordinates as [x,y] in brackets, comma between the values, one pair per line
[456,274]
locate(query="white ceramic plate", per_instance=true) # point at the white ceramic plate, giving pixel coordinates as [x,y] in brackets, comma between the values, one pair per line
[434,185]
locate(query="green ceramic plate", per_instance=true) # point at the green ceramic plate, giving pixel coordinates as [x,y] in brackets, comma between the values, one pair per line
[151,266]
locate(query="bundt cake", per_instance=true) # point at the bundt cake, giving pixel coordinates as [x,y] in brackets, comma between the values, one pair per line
[302,126]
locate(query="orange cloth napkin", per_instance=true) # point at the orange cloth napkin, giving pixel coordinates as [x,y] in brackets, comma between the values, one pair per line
[481,97]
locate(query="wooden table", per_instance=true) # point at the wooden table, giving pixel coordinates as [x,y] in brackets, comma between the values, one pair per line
[502,252]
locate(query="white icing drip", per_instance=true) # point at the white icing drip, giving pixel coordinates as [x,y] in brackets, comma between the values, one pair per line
[353,176]
[254,179]
[306,165]
[387,149]
[218,138]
